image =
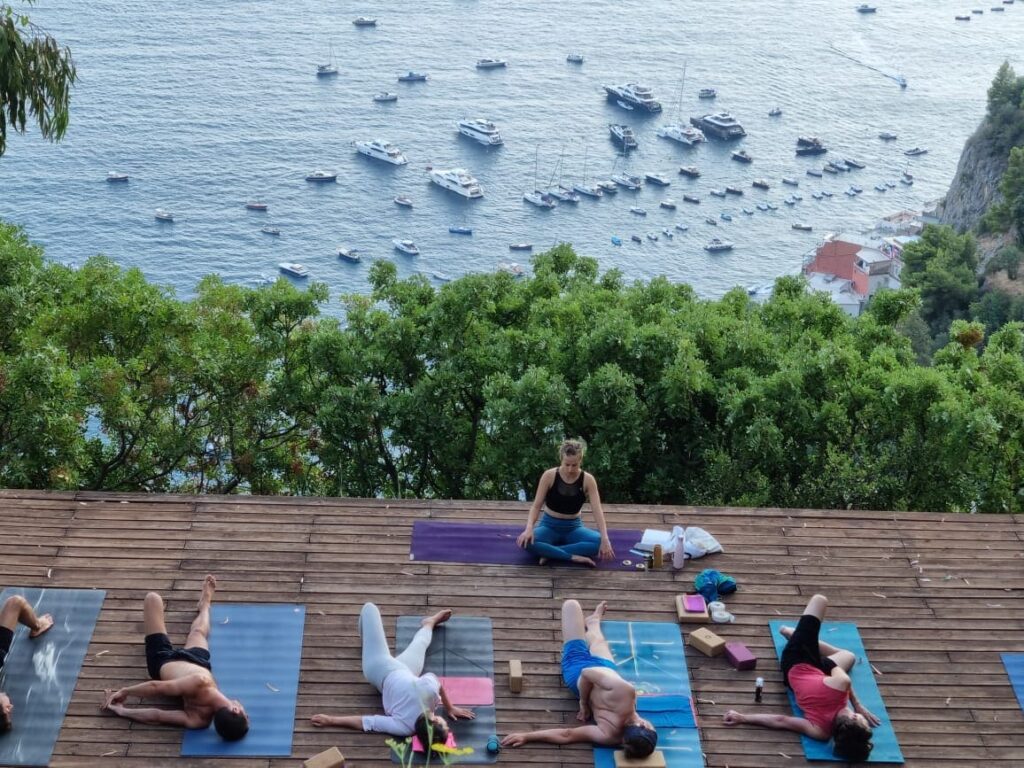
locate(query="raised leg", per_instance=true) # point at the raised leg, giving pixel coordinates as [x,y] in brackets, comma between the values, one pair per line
[817,607]
[573,625]
[415,654]
[199,632]
[17,610]
[377,660]
[153,615]
[595,637]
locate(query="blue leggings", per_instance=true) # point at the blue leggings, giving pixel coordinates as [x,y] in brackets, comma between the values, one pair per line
[558,539]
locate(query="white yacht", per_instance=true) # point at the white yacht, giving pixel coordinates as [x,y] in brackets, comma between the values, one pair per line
[635,95]
[321,176]
[457,180]
[114,176]
[364,21]
[385,96]
[381,150]
[717,245]
[293,268]
[540,199]
[684,134]
[406,246]
[491,63]
[162,215]
[623,135]
[481,130]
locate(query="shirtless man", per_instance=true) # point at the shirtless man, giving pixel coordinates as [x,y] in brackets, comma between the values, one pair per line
[181,672]
[16,610]
[588,669]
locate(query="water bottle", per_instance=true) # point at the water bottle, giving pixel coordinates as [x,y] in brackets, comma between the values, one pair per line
[758,689]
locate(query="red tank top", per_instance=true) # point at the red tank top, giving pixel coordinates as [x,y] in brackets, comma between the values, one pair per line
[820,703]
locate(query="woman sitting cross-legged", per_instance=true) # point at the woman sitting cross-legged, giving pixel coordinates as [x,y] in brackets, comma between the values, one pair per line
[560,534]
[818,674]
[410,697]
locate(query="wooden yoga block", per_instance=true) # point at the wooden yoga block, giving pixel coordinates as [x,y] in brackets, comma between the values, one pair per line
[332,758]
[706,641]
[692,617]
[740,656]
[515,675]
[654,760]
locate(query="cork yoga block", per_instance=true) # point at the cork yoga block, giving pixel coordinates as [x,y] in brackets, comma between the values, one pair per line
[654,760]
[685,605]
[332,758]
[706,641]
[515,675]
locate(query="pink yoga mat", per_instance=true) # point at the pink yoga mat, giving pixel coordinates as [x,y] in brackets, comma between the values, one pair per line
[469,691]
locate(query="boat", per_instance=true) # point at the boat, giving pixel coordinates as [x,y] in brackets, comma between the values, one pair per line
[636,238]
[789,201]
[865,8]
[829,168]
[588,190]
[162,215]
[563,194]
[574,58]
[881,188]
[774,112]
[413,77]
[681,227]
[836,167]
[521,247]
[269,230]
[668,204]
[720,125]
[480,130]
[814,172]
[460,229]
[638,211]
[901,81]
[817,195]
[790,181]
[772,207]
[255,205]
[667,233]
[381,150]
[914,151]
[707,93]
[851,163]
[540,199]
[657,179]
[761,184]
[441,277]
[629,182]
[718,192]
[725,216]
[406,246]
[330,68]
[763,207]
[810,145]
[742,156]
[748,211]
[293,268]
[349,254]
[709,220]
[652,237]
[609,187]
[364,21]
[684,134]
[825,193]
[857,190]
[803,227]
[403,201]
[623,135]
[114,177]
[718,245]
[457,180]
[490,63]
[635,95]
[616,240]
[624,105]
[962,18]
[978,11]
[321,176]
[907,181]
[734,191]
[691,199]
[907,174]
[384,96]
[690,170]
[511,268]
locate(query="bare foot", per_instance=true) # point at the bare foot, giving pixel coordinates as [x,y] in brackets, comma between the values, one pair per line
[542,561]
[584,560]
[438,618]
[209,586]
[786,632]
[43,622]
[598,613]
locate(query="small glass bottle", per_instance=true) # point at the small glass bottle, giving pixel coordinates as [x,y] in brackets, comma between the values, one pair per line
[758,689]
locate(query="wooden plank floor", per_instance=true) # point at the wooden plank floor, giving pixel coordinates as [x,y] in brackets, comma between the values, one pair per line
[937,597]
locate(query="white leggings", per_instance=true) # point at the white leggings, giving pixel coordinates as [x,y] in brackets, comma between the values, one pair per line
[378,662]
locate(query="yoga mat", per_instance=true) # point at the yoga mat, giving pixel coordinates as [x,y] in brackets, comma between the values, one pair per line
[1014,663]
[481,543]
[40,674]
[845,635]
[255,651]
[650,655]
[461,647]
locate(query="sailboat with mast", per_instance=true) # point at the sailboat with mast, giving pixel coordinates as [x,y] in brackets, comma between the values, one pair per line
[558,191]
[536,197]
[679,130]
[330,68]
[583,188]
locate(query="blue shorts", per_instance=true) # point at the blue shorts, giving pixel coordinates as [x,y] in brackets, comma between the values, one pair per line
[576,657]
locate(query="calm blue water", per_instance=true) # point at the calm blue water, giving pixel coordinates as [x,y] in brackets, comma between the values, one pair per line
[209,104]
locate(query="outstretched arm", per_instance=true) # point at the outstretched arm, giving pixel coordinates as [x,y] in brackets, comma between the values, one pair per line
[154,716]
[594,497]
[780,722]
[587,733]
[860,709]
[455,713]
[353,722]
[526,537]
[183,686]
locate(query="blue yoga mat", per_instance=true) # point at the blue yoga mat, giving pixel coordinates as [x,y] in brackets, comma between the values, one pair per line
[845,635]
[255,651]
[40,675]
[1014,663]
[651,656]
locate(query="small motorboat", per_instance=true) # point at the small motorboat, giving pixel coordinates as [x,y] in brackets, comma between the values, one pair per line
[763,207]
[511,268]
[906,181]
[718,245]
[636,238]
[865,8]
[521,247]
[114,176]
[322,176]
[491,63]
[789,201]
[413,77]
[608,187]
[460,230]
[748,211]
[962,18]
[691,199]
[406,246]
[707,93]
[881,188]
[711,221]
[772,207]
[789,181]
[760,184]
[364,21]
[624,105]
[616,240]
[829,168]
[886,136]
[574,58]
[349,254]
[817,195]
[653,237]
[441,277]
[814,172]
[775,112]
[668,204]
[803,227]
[269,230]
[689,170]
[657,179]
[718,192]
[914,151]
[852,163]
[403,201]
[725,216]
[825,193]
[638,211]
[162,215]
[681,227]
[742,156]
[667,233]
[255,205]
[293,268]
[385,96]
[734,191]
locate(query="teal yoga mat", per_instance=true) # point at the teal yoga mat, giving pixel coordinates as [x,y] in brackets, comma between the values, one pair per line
[1014,663]
[40,675]
[845,635]
[651,656]
[255,651]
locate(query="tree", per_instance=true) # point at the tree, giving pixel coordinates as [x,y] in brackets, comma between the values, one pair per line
[36,76]
[942,265]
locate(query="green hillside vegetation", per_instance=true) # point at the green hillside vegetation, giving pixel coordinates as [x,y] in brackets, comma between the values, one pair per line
[109,382]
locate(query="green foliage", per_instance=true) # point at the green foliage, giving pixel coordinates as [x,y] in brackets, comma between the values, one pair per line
[36,76]
[108,382]
[1004,125]
[1009,212]
[942,266]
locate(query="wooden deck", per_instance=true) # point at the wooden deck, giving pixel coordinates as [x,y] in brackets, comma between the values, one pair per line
[936,597]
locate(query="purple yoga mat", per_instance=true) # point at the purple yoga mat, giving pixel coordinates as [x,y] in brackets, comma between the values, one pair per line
[496,544]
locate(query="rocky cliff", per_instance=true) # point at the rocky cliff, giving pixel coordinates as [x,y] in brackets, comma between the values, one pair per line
[976,183]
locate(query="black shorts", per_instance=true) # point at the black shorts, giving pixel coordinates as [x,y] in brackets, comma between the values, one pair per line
[6,638]
[159,651]
[802,648]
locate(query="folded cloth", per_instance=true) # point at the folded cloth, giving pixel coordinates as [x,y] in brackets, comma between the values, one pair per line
[698,542]
[711,584]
